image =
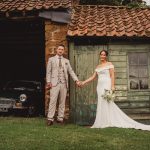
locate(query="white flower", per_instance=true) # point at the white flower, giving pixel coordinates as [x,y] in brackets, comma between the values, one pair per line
[109,95]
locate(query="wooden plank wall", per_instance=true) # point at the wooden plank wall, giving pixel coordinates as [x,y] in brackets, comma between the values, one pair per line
[135,103]
[84,58]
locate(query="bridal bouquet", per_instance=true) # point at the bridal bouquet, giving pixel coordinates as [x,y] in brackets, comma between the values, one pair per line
[109,95]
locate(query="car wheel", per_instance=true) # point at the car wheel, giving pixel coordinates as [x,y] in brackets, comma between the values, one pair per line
[31,111]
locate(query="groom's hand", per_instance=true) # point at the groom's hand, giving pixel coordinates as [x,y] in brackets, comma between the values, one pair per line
[49,85]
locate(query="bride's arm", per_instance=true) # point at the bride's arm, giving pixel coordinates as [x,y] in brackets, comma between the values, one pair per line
[112,76]
[90,78]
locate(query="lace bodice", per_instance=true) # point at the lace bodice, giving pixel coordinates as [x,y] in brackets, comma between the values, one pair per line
[104,71]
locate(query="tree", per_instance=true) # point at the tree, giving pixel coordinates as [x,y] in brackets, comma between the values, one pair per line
[130,3]
[100,2]
[134,3]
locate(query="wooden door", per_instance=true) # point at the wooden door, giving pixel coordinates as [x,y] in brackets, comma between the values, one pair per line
[83,101]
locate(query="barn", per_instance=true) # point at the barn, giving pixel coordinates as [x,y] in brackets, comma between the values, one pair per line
[29,34]
[125,34]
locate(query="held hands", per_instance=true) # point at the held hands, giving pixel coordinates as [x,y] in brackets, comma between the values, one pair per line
[83,83]
[80,83]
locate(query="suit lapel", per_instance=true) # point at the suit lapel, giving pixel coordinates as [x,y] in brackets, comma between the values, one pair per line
[63,62]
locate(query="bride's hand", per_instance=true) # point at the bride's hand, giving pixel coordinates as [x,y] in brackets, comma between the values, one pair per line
[83,83]
[113,89]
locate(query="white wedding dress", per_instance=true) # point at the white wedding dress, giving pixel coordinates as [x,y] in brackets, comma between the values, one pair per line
[108,113]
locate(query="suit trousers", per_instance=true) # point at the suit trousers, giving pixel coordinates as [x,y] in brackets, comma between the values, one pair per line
[59,93]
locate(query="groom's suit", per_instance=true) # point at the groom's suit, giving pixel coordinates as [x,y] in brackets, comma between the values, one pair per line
[57,74]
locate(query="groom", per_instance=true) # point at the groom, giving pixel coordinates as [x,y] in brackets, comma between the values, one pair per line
[57,71]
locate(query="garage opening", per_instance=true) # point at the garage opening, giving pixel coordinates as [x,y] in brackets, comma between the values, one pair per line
[22,51]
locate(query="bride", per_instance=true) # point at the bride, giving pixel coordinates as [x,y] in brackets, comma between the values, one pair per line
[108,113]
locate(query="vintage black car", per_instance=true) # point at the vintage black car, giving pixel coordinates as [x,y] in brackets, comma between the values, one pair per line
[22,95]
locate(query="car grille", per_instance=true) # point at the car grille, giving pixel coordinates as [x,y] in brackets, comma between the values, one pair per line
[6,101]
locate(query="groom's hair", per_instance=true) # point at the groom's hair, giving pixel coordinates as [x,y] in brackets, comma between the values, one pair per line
[106,52]
[61,45]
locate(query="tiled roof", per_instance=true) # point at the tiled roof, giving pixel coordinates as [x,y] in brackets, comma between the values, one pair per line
[109,21]
[27,5]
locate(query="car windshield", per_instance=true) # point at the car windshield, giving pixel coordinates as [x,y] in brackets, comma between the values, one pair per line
[22,85]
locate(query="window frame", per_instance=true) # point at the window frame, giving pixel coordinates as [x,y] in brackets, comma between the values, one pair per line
[148,69]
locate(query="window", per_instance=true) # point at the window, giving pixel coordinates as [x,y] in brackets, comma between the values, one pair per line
[138,71]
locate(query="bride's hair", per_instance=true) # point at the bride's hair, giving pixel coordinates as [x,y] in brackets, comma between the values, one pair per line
[106,52]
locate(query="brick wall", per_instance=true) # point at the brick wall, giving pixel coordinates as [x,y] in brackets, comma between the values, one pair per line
[55,34]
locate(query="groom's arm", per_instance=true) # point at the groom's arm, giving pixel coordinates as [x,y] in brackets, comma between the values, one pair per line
[71,72]
[48,72]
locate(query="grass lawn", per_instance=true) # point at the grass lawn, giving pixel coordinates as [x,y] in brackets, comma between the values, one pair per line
[32,134]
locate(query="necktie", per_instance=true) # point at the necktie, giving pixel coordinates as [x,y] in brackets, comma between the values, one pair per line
[60,64]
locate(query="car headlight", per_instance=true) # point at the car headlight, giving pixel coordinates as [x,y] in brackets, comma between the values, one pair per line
[23,97]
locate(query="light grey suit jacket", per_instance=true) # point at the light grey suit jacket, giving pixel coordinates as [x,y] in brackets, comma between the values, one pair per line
[53,68]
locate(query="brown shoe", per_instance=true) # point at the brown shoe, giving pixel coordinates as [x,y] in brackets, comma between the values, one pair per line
[49,122]
[61,122]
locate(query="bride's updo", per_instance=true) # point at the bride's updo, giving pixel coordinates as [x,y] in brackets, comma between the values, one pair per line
[106,52]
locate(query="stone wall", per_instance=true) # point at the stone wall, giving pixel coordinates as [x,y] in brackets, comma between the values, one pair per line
[55,34]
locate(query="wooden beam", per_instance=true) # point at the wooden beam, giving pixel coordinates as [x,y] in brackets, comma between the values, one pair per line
[23,17]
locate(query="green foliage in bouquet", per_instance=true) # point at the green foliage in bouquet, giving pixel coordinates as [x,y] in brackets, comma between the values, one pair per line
[109,95]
